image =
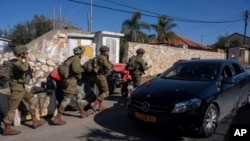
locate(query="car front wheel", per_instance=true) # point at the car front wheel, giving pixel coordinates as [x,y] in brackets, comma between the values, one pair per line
[210,121]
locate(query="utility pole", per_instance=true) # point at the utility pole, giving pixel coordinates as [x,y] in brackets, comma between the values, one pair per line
[90,15]
[227,45]
[88,21]
[60,17]
[201,39]
[54,16]
[245,29]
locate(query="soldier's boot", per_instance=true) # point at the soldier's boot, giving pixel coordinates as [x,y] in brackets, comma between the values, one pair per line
[92,107]
[101,107]
[94,104]
[36,122]
[83,113]
[9,131]
[58,120]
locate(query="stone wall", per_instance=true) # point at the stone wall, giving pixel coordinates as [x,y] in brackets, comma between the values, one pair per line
[162,57]
[42,67]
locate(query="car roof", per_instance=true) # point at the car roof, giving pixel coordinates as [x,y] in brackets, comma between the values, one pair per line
[215,61]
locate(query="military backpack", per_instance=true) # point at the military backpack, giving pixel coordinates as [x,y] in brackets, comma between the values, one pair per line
[63,68]
[91,66]
[6,69]
[6,72]
[132,63]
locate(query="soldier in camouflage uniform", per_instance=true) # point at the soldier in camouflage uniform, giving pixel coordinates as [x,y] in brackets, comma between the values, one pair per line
[142,67]
[105,67]
[19,92]
[70,87]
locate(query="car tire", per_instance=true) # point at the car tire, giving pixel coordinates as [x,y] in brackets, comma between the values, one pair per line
[210,121]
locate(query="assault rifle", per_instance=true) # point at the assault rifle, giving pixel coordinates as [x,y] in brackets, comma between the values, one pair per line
[29,73]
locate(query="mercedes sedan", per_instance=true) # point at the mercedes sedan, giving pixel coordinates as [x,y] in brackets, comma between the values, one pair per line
[192,95]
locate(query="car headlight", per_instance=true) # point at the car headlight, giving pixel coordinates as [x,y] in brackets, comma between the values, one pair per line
[186,106]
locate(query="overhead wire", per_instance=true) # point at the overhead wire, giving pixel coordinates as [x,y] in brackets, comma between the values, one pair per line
[74,10]
[156,15]
[175,18]
[187,20]
[216,32]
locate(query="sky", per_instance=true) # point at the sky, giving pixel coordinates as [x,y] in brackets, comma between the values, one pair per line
[202,21]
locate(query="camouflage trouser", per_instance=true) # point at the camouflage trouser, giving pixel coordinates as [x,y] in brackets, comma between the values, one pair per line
[103,87]
[136,78]
[81,86]
[70,90]
[18,93]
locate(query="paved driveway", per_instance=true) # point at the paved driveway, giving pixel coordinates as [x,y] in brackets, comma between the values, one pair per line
[113,125]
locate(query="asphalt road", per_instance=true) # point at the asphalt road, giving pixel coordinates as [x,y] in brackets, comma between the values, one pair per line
[113,125]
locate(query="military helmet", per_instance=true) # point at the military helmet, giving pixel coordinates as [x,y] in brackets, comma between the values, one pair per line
[83,48]
[78,50]
[104,48]
[140,51]
[20,49]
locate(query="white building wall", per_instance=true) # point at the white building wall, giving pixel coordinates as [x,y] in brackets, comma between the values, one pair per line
[76,42]
[4,45]
[113,44]
[110,39]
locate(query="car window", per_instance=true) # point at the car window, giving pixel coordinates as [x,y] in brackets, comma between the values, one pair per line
[226,72]
[238,69]
[192,71]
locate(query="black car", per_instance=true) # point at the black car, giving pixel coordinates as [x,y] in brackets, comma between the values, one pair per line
[192,95]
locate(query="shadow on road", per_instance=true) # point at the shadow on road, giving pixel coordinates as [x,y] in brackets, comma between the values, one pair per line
[119,127]
[241,117]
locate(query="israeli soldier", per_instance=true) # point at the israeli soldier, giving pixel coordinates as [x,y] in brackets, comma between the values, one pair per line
[137,73]
[19,92]
[105,67]
[70,87]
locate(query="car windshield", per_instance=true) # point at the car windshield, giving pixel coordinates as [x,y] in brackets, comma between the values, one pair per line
[199,71]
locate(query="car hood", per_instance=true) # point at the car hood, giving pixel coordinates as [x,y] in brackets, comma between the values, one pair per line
[162,90]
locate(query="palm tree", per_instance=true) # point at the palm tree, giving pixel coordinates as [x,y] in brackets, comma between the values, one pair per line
[164,28]
[131,28]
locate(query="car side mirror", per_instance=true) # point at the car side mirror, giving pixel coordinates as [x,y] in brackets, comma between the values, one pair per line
[228,80]
[158,74]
